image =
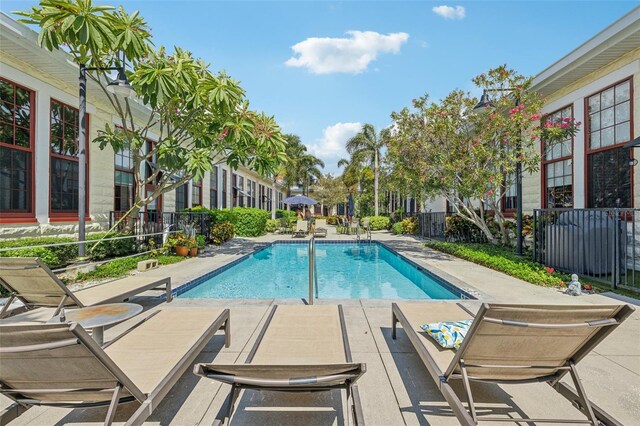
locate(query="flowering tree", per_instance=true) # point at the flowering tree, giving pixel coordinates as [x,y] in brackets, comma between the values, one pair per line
[469,156]
[196,117]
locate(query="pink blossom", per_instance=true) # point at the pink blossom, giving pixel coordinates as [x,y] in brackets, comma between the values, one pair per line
[490,192]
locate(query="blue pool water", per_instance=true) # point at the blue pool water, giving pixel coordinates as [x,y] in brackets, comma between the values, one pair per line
[345,271]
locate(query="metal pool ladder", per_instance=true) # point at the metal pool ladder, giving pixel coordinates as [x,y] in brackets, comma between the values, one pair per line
[313,271]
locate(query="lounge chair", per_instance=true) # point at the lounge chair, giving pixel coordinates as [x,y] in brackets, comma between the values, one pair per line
[512,344]
[60,364]
[320,229]
[30,281]
[299,349]
[302,228]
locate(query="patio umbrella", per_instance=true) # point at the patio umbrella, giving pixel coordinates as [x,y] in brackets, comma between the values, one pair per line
[350,209]
[300,199]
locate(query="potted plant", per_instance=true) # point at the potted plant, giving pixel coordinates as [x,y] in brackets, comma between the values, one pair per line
[179,242]
[192,245]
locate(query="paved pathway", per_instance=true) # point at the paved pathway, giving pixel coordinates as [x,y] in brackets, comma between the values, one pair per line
[396,390]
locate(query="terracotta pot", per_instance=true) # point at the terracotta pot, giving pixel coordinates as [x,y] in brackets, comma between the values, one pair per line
[193,252]
[182,250]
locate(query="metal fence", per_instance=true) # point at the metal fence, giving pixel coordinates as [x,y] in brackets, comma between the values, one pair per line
[432,225]
[600,244]
[153,222]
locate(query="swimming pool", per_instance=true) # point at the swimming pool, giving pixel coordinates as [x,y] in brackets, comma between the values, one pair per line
[345,271]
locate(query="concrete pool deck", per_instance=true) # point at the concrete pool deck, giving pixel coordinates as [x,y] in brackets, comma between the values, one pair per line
[396,390]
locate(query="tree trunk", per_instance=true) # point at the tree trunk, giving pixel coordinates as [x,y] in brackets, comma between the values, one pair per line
[376,172]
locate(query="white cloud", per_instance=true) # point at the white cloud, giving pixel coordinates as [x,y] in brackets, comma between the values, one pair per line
[331,147]
[450,12]
[347,55]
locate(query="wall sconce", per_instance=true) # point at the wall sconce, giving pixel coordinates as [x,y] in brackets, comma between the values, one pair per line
[633,162]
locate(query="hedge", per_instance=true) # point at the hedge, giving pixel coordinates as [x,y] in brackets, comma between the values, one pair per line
[111,248]
[222,232]
[397,228]
[272,225]
[377,223]
[53,257]
[250,222]
[285,213]
[59,256]
[504,260]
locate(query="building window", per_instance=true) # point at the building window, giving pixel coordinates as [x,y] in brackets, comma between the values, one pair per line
[249,193]
[64,144]
[609,115]
[510,198]
[557,165]
[124,190]
[181,197]
[16,151]
[224,189]
[196,193]
[213,188]
[240,197]
[254,194]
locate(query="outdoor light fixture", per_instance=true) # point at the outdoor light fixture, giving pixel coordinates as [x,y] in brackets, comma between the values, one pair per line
[633,162]
[119,86]
[485,103]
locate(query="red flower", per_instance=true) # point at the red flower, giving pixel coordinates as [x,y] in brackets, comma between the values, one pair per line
[588,287]
[549,270]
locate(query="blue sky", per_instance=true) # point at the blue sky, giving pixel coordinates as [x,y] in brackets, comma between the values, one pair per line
[355,62]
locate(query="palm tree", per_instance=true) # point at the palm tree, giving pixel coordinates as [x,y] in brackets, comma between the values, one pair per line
[290,171]
[309,171]
[367,146]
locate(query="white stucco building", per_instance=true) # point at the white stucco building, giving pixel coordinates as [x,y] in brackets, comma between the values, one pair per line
[38,150]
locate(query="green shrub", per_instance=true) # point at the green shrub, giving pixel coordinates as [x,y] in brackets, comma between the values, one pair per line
[250,222]
[110,248]
[331,220]
[410,226]
[285,213]
[223,215]
[377,223]
[397,228]
[45,254]
[54,257]
[222,232]
[272,225]
[504,260]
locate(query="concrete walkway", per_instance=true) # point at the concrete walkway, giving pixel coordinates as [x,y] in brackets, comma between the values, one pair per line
[396,390]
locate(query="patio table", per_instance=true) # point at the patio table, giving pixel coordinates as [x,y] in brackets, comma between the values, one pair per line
[98,317]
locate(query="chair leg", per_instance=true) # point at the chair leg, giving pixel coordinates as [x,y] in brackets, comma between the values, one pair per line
[467,388]
[60,305]
[227,333]
[111,413]
[581,393]
[12,412]
[235,391]
[394,325]
[168,290]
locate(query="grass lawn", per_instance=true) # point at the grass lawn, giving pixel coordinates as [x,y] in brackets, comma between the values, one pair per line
[504,260]
[120,267]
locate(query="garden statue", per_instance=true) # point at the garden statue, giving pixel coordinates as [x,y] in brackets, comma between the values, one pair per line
[574,288]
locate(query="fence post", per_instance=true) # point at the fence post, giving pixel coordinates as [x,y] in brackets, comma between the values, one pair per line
[615,270]
[535,236]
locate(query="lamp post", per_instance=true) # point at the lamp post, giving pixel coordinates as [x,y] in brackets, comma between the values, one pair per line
[485,102]
[119,86]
